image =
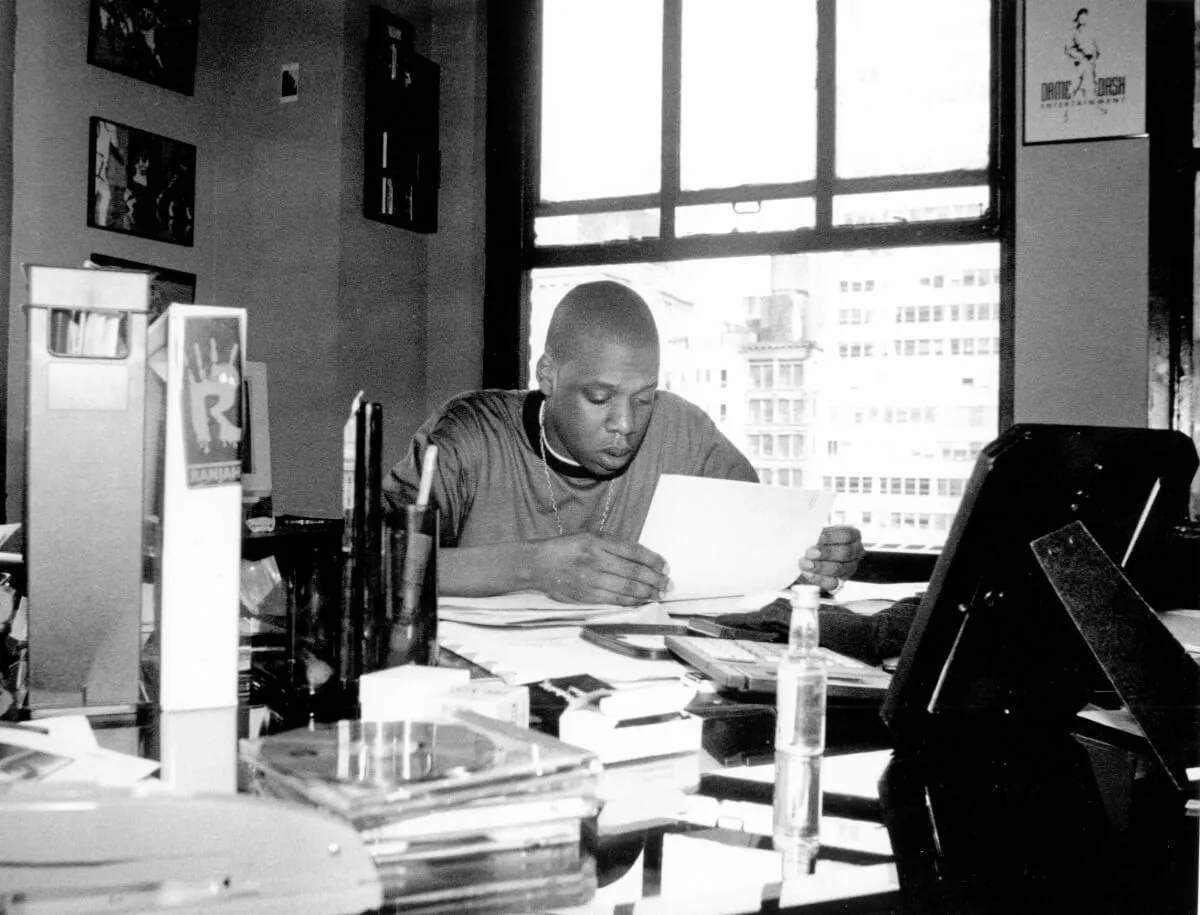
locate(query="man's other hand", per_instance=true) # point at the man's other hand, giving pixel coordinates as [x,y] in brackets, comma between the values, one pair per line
[834,559]
[588,568]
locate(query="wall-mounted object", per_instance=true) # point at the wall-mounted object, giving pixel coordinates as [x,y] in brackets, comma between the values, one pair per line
[151,41]
[1085,70]
[85,457]
[166,286]
[402,161]
[289,83]
[141,183]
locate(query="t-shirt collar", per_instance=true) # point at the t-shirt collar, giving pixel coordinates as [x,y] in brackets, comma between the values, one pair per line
[529,419]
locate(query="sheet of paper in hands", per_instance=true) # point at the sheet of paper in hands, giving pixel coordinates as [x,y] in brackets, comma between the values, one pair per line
[725,537]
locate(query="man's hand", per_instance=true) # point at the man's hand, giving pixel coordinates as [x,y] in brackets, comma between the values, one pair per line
[835,558]
[588,568]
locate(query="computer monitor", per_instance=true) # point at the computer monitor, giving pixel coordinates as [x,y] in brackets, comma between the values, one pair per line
[256,435]
[992,648]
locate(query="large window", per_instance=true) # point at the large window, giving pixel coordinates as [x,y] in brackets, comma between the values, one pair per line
[804,191]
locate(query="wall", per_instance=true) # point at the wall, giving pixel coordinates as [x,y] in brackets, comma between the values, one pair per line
[8,38]
[336,303]
[54,94]
[1082,282]
[454,329]
[381,350]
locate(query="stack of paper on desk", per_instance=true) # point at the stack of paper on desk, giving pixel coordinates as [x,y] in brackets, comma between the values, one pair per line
[521,656]
[528,609]
[726,537]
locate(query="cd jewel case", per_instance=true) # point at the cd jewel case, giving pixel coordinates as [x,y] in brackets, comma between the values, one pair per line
[460,814]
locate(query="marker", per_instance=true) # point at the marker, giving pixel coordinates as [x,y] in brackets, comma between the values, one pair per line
[427,466]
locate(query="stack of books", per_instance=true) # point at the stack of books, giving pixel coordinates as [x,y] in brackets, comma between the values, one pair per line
[461,814]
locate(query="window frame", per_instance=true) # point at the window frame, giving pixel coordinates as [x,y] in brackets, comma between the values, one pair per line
[823,236]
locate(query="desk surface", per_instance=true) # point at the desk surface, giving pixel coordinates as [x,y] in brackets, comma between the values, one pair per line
[999,831]
[1017,824]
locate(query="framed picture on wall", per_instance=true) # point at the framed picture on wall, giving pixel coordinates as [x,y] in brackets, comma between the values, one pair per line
[141,183]
[166,286]
[1085,69]
[150,40]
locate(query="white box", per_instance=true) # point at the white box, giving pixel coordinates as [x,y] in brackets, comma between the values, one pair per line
[493,698]
[408,692]
[617,739]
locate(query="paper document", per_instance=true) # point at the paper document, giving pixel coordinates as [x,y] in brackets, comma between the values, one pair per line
[528,609]
[726,537]
[521,656]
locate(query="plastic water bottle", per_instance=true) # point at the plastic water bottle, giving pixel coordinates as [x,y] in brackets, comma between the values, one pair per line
[800,738]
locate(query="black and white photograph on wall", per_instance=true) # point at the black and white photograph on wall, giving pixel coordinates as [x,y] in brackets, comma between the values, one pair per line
[150,40]
[141,183]
[166,286]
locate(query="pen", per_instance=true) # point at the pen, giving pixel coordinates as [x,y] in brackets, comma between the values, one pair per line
[427,465]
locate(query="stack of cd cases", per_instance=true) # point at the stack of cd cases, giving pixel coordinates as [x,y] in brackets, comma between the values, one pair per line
[462,814]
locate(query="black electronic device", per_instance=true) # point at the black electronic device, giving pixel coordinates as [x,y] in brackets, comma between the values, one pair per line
[634,640]
[991,649]
[363,635]
[1154,676]
[703,625]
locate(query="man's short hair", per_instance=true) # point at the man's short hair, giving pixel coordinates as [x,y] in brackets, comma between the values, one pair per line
[601,310]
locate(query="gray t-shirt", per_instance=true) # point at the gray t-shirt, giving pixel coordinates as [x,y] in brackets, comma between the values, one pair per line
[491,485]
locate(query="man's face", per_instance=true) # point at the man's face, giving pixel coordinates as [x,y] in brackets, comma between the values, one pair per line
[599,403]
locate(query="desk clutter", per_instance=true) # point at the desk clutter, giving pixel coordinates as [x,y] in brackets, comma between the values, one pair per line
[462,813]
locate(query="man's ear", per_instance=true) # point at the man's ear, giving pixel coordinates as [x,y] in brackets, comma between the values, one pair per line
[545,374]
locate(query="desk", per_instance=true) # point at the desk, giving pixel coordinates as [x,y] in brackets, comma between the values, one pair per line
[1011,823]
[977,832]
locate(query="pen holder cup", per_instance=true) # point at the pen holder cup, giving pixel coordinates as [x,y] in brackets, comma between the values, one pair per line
[412,550]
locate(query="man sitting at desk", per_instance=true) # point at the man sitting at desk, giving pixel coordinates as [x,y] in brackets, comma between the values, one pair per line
[548,490]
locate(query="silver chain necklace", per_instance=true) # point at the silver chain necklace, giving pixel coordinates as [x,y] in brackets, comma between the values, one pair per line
[550,489]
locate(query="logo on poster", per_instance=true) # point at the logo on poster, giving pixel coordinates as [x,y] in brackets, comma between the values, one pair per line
[212,402]
[1085,85]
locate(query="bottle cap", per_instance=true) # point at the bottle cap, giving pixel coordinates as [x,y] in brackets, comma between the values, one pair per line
[806,595]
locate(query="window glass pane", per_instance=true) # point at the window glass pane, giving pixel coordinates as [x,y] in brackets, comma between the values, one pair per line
[589,228]
[748,102]
[912,84]
[601,102]
[723,218]
[910,206]
[768,325]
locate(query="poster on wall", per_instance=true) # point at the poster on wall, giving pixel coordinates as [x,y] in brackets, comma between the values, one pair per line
[141,184]
[1085,69]
[166,286]
[212,400]
[150,40]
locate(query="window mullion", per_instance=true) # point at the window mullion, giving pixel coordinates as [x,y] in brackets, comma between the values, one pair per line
[826,110]
[672,95]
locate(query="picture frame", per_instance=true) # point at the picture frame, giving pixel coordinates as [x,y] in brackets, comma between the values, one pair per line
[1084,70]
[166,285]
[401,147]
[141,183]
[154,42]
